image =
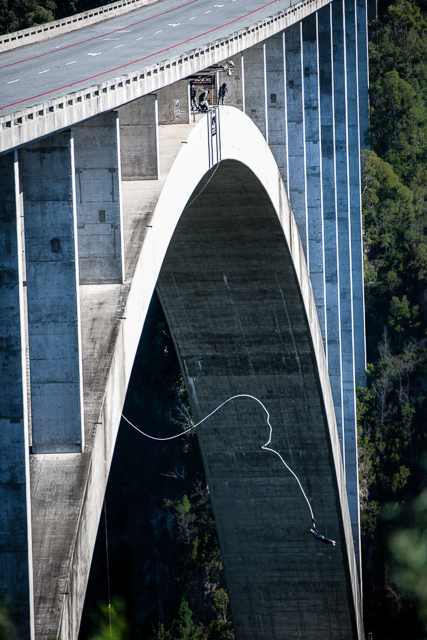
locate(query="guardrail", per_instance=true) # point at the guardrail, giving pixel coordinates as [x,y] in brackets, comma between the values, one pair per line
[34,122]
[42,32]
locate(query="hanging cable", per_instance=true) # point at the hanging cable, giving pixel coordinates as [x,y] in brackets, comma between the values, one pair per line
[264,446]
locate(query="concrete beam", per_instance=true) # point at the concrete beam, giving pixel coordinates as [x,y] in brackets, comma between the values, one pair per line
[47,170]
[332,296]
[174,103]
[255,86]
[139,144]
[98,195]
[16,566]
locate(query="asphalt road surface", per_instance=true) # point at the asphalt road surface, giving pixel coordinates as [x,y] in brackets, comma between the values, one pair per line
[42,71]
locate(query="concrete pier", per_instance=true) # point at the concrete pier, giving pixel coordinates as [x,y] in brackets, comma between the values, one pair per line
[139,140]
[98,195]
[255,87]
[276,103]
[314,195]
[174,103]
[47,170]
[295,131]
[332,296]
[16,565]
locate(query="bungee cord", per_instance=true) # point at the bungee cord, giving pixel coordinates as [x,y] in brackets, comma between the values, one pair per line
[264,446]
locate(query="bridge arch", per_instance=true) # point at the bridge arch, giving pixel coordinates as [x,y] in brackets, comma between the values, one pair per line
[224,251]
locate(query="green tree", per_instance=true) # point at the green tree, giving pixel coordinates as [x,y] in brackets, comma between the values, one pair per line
[111,621]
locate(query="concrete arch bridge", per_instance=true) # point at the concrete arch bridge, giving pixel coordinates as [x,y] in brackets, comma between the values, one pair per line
[248,224]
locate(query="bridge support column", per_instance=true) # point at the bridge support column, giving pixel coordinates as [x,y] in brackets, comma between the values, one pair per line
[345,264]
[99,202]
[235,83]
[174,103]
[316,264]
[16,577]
[295,131]
[139,144]
[332,301]
[351,37]
[47,171]
[276,103]
[255,86]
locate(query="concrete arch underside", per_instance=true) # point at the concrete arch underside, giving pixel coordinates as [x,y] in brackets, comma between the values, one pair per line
[224,251]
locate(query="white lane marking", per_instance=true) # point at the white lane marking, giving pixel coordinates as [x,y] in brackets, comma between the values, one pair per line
[141,38]
[174,25]
[208,11]
[94,54]
[218,5]
[193,18]
[12,81]
[160,31]
[45,71]
[73,62]
[118,46]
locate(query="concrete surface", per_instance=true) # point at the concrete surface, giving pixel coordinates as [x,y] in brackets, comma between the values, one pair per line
[69,99]
[41,32]
[139,152]
[16,566]
[99,202]
[174,103]
[47,174]
[112,319]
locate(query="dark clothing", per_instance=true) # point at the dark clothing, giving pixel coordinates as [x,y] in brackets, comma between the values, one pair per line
[221,93]
[322,538]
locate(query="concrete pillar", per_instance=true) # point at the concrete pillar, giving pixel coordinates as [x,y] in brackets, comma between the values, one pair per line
[332,298]
[47,171]
[316,251]
[295,131]
[174,103]
[234,97]
[363,70]
[99,202]
[139,144]
[16,578]
[345,266]
[355,191]
[255,86]
[276,105]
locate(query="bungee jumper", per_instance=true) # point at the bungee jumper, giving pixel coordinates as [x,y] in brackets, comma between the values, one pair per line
[265,446]
[319,536]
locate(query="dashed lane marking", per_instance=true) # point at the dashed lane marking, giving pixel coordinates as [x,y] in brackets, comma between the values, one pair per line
[12,81]
[45,71]
[73,62]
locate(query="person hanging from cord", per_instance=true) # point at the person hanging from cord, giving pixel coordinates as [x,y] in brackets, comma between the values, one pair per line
[318,536]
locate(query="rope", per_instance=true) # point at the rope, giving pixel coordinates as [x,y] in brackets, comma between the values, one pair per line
[204,187]
[264,446]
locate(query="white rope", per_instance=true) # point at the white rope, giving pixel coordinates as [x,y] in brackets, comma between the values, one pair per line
[204,187]
[264,446]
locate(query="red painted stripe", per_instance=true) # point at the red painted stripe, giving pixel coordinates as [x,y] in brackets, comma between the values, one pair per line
[40,95]
[96,37]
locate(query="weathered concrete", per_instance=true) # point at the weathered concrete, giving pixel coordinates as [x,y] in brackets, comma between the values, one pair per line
[235,83]
[99,202]
[276,103]
[47,170]
[332,299]
[255,86]
[113,317]
[16,564]
[296,134]
[345,266]
[174,103]
[352,104]
[314,195]
[139,144]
